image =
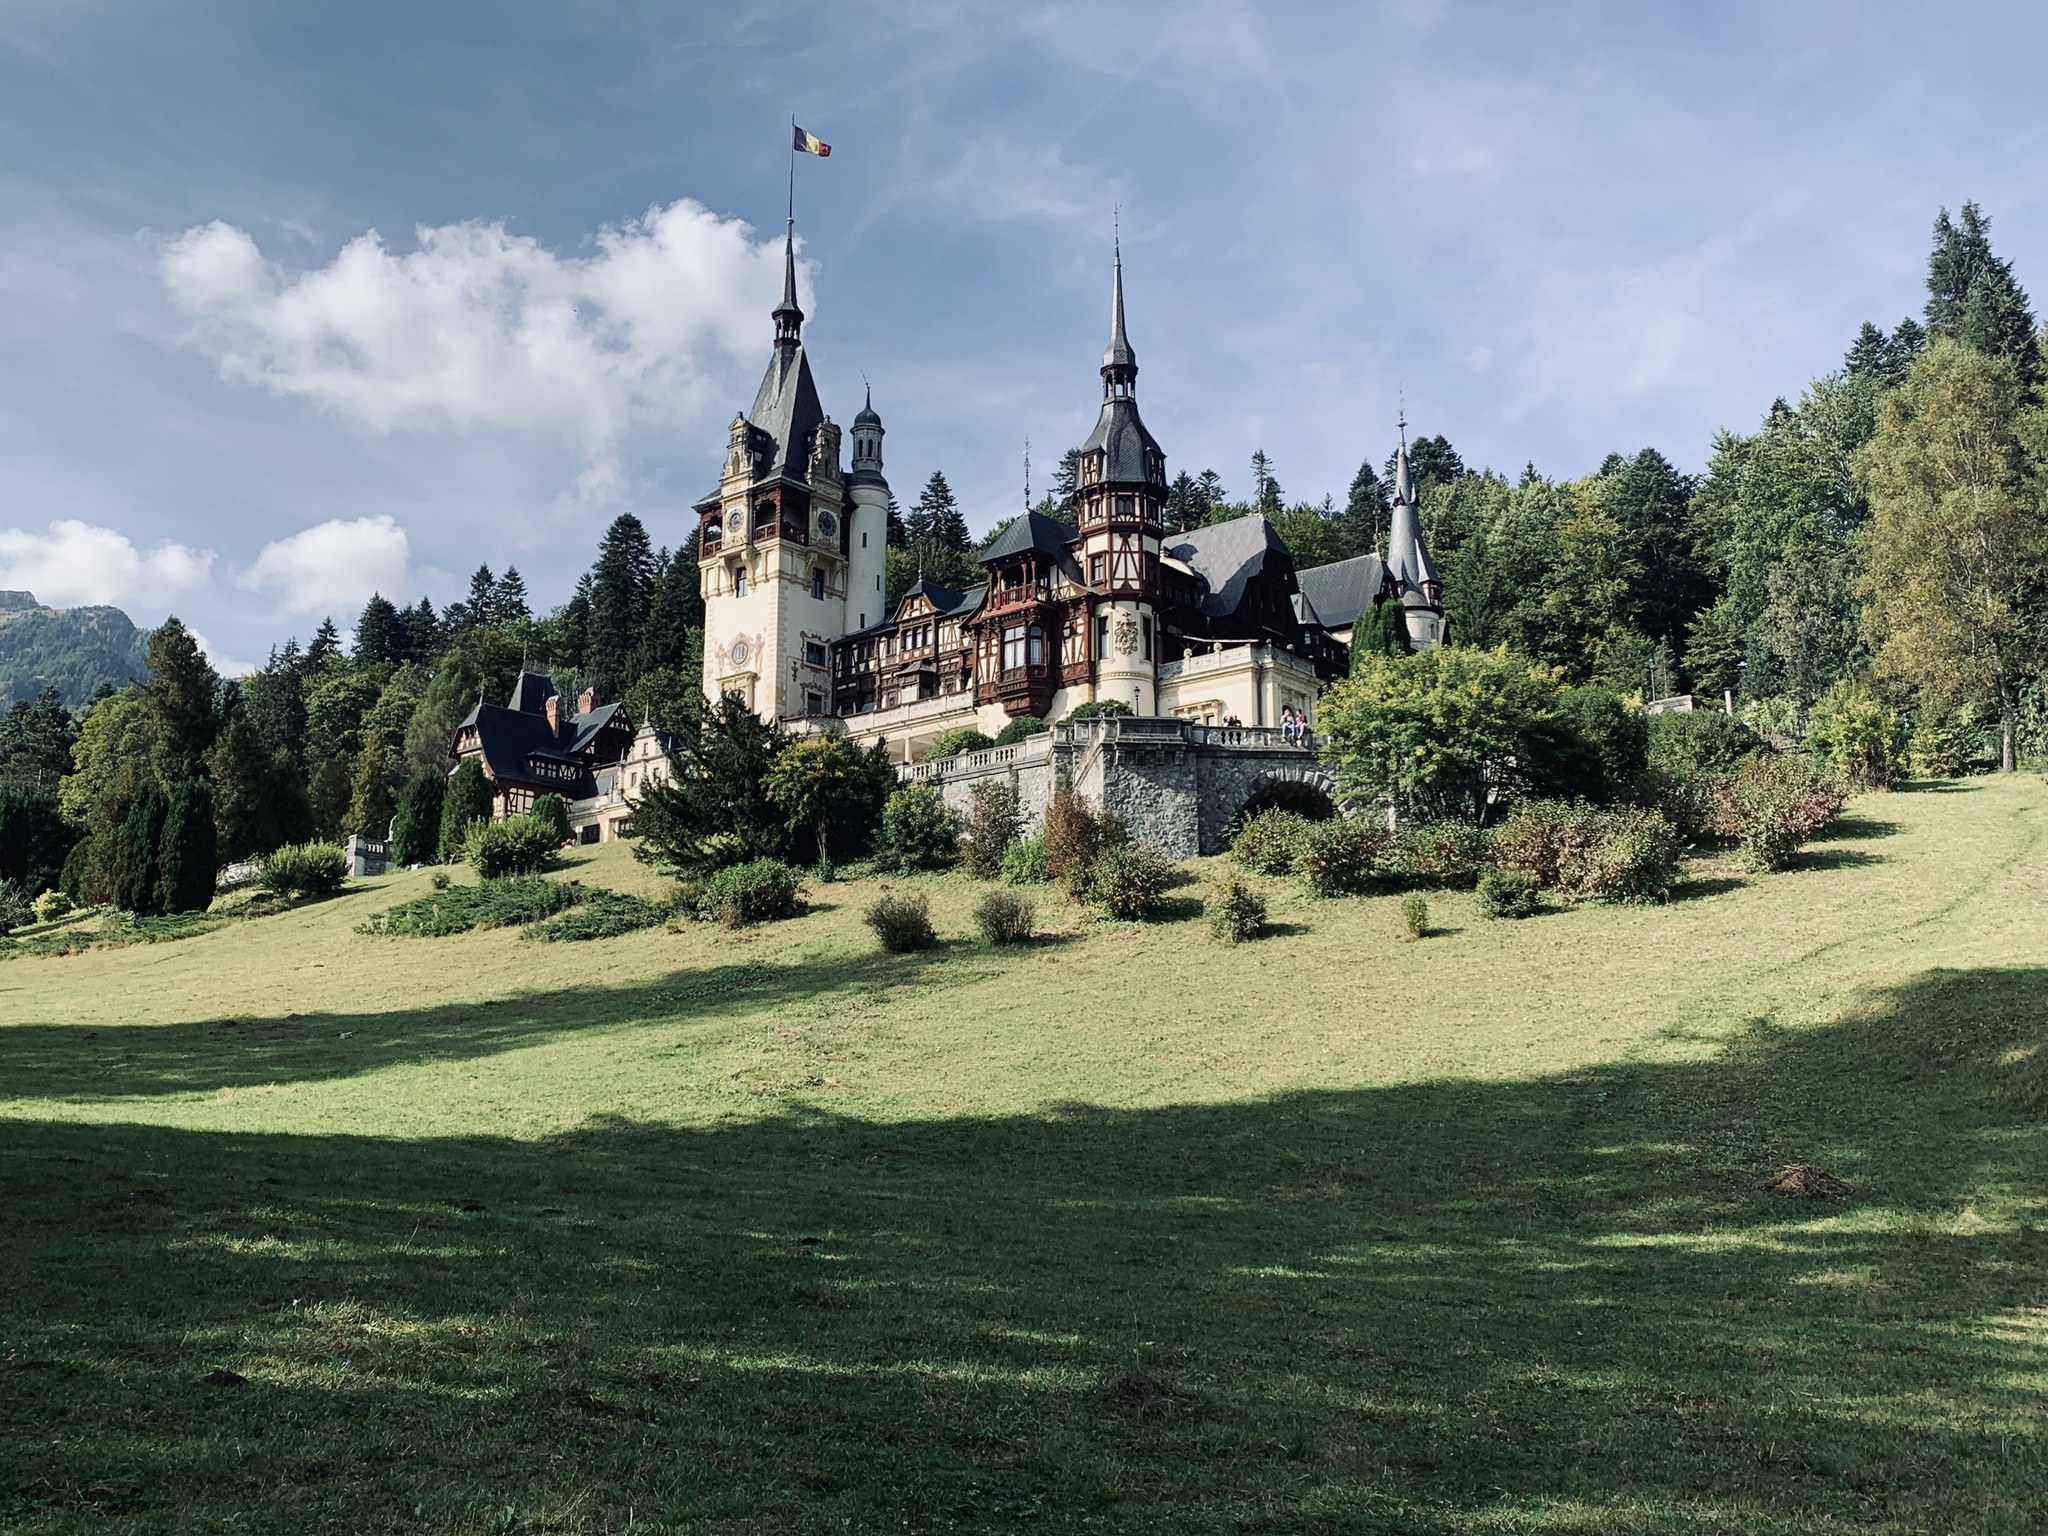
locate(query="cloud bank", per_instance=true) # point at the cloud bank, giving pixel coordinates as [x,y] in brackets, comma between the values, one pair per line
[332,567]
[479,328]
[73,562]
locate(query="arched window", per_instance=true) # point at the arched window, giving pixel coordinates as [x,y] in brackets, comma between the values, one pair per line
[1037,646]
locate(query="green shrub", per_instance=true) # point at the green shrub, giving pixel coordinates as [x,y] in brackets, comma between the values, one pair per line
[51,905]
[1858,736]
[438,880]
[1780,803]
[919,831]
[488,904]
[1101,710]
[1020,729]
[304,869]
[1681,746]
[1443,853]
[1414,916]
[518,845]
[15,908]
[416,829]
[1624,855]
[1236,912]
[1128,881]
[552,812]
[902,920]
[1509,893]
[1075,838]
[1024,863]
[1268,842]
[1005,917]
[1339,857]
[964,738]
[603,915]
[992,824]
[764,891]
[465,799]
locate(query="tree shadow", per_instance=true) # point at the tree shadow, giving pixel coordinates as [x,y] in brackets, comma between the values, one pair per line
[1832,858]
[1425,1307]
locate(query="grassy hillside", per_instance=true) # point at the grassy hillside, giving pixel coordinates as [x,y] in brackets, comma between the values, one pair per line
[769,1232]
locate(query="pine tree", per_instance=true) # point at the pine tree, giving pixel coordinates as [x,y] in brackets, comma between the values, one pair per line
[1266,498]
[422,632]
[936,519]
[899,536]
[466,799]
[328,793]
[127,841]
[326,646]
[380,634]
[1972,296]
[1213,499]
[675,614]
[369,806]
[508,599]
[1431,461]
[185,854]
[181,701]
[1382,630]
[621,590]
[240,770]
[275,700]
[1066,484]
[35,742]
[417,830]
[1366,510]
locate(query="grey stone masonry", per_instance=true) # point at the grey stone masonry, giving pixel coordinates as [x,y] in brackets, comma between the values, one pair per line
[1174,784]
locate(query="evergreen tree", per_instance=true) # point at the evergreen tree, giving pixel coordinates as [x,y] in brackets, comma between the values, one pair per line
[369,806]
[899,536]
[945,526]
[481,604]
[508,599]
[422,632]
[417,831]
[715,809]
[380,632]
[34,836]
[1382,630]
[1184,503]
[675,613]
[126,846]
[466,799]
[621,590]
[185,856]
[35,742]
[274,698]
[326,646]
[1973,296]
[1431,461]
[1366,511]
[181,701]
[240,770]
[1265,489]
[1211,485]
[329,792]
[1066,484]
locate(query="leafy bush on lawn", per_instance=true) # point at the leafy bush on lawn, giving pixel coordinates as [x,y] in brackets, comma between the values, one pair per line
[304,869]
[994,818]
[1024,862]
[1076,837]
[52,905]
[919,831]
[763,891]
[506,903]
[1267,843]
[1236,912]
[1128,881]
[902,920]
[518,845]
[603,915]
[1779,802]
[1509,893]
[1005,917]
[1444,853]
[552,811]
[1339,857]
[1414,916]
[1623,855]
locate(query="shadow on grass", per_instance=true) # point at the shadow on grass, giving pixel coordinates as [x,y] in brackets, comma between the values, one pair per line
[1421,1308]
[1831,858]
[93,1061]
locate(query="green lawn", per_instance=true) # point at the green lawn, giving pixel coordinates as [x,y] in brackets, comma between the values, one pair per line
[1330,1233]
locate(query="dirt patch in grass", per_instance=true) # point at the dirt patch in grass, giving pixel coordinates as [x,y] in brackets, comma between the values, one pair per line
[1803,1181]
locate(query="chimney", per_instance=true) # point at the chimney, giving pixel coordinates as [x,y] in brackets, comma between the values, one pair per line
[586,701]
[552,708]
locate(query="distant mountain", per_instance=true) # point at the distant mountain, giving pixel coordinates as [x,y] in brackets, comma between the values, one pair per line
[76,649]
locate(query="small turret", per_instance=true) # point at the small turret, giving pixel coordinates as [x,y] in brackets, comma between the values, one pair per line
[789,318]
[1410,574]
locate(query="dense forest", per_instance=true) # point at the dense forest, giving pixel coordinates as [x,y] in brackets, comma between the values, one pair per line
[1875,547]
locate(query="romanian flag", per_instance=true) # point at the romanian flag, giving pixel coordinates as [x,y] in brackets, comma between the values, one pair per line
[810,143]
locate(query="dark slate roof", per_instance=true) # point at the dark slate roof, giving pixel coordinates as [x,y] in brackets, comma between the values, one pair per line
[944,600]
[867,416]
[786,408]
[532,692]
[1034,530]
[1121,438]
[1226,556]
[508,737]
[1118,353]
[1342,590]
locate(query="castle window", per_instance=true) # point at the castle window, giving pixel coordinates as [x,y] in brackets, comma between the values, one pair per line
[1102,638]
[1096,566]
[818,584]
[1145,629]
[1127,506]
[814,703]
[739,581]
[863,541]
[1013,648]
[814,653]
[1037,649]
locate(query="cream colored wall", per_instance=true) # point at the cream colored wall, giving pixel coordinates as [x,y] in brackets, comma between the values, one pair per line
[1254,683]
[777,616]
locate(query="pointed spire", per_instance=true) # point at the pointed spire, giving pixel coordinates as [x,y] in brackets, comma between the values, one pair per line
[1118,353]
[788,316]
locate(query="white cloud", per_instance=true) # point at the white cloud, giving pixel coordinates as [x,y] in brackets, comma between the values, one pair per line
[332,567]
[481,328]
[73,562]
[226,666]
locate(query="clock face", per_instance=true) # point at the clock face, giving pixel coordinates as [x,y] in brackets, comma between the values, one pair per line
[739,651]
[827,524]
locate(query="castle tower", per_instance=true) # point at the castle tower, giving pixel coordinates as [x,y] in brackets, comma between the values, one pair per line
[773,540]
[1121,499]
[867,541]
[1410,572]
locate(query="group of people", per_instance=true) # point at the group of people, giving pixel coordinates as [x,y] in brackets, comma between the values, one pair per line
[1294,727]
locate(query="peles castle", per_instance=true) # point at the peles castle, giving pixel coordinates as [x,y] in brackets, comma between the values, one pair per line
[1202,628]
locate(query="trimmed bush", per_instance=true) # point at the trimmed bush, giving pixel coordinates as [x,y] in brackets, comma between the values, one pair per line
[552,811]
[1414,916]
[1340,858]
[902,920]
[1509,893]
[1128,881]
[1683,746]
[416,829]
[963,738]
[1098,711]
[51,905]
[1444,853]
[993,822]
[919,832]
[1236,912]
[489,904]
[1024,863]
[602,915]
[304,869]
[764,891]
[438,880]
[1021,729]
[518,845]
[1005,917]
[1779,803]
[1267,842]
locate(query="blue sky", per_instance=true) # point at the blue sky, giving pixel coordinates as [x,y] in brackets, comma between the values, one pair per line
[1554,230]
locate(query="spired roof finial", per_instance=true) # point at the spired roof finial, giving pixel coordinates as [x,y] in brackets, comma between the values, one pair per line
[788,315]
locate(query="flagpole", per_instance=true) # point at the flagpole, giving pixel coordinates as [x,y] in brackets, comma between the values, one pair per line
[792,174]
